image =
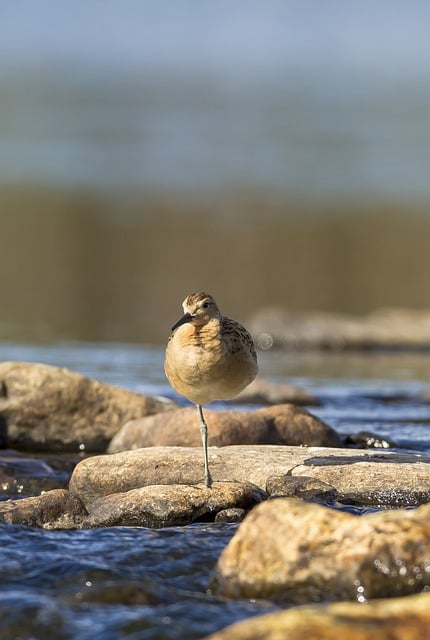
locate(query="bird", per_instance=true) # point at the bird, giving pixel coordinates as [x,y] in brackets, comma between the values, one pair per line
[208,357]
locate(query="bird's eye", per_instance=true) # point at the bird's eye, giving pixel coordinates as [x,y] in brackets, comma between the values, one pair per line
[205,305]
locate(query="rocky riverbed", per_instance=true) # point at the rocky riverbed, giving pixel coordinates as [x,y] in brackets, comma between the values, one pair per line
[286,475]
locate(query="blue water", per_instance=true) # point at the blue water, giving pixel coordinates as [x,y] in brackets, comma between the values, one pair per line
[113,583]
[309,98]
[121,583]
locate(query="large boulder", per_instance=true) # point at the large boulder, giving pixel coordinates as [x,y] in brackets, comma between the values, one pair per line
[46,408]
[300,552]
[359,477]
[279,424]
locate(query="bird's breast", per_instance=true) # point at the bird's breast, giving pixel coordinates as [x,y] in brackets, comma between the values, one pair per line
[201,366]
[191,352]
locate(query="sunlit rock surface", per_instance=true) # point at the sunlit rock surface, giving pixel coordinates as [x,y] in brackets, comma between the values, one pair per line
[359,477]
[297,552]
[279,424]
[395,619]
[171,505]
[56,509]
[46,408]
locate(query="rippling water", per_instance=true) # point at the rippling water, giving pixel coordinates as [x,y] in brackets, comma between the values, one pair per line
[311,99]
[138,583]
[113,583]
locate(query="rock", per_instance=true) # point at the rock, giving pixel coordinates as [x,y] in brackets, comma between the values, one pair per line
[369,440]
[385,328]
[279,424]
[312,553]
[377,479]
[172,505]
[57,509]
[230,515]
[303,487]
[25,475]
[121,592]
[265,392]
[45,408]
[32,612]
[391,619]
[359,477]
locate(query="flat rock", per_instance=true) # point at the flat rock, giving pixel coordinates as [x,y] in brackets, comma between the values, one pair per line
[56,509]
[359,477]
[279,424]
[171,505]
[313,553]
[45,408]
[265,392]
[390,619]
[384,328]
[387,479]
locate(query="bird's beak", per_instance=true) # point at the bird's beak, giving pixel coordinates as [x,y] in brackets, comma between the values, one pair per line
[185,318]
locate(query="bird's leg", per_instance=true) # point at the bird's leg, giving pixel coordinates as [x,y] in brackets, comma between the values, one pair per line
[204,432]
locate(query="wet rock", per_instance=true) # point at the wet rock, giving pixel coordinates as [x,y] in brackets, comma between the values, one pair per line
[230,515]
[359,477]
[279,424]
[25,475]
[385,328]
[391,619]
[27,614]
[265,392]
[56,509]
[166,506]
[45,408]
[303,487]
[313,553]
[118,592]
[368,440]
[374,479]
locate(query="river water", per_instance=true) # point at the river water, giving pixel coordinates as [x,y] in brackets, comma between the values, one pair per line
[119,582]
[272,152]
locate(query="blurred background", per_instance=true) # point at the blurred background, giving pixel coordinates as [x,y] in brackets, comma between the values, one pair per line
[272,152]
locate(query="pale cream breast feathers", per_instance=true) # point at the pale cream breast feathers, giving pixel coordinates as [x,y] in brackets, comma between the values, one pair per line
[209,356]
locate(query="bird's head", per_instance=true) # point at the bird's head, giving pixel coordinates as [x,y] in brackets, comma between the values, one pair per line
[199,309]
